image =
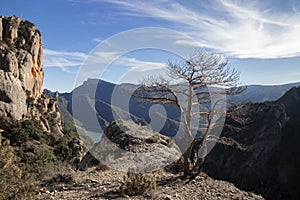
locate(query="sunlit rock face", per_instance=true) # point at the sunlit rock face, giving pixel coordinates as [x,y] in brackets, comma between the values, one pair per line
[21,74]
[22,53]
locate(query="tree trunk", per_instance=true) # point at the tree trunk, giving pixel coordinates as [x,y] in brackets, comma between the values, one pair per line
[186,157]
[188,135]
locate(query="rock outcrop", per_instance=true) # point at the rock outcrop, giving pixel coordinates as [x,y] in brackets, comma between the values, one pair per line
[291,102]
[126,145]
[268,162]
[22,53]
[21,74]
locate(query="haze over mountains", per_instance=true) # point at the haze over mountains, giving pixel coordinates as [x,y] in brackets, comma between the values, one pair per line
[260,93]
[100,102]
[99,93]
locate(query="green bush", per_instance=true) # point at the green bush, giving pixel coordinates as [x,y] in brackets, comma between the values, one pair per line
[40,160]
[40,150]
[137,184]
[63,147]
[20,132]
[14,182]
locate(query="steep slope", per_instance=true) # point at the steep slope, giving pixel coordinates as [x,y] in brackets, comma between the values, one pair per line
[269,162]
[291,101]
[21,75]
[94,98]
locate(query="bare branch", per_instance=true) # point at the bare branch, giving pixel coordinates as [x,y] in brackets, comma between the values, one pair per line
[196,78]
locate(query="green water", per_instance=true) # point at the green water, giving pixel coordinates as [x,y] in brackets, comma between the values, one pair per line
[94,136]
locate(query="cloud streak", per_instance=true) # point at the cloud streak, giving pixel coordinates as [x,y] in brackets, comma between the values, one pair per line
[138,65]
[65,59]
[98,40]
[132,64]
[242,29]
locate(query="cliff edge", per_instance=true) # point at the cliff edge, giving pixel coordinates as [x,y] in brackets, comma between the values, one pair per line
[21,74]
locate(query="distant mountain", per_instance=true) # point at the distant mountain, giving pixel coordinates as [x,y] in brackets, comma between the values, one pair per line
[96,95]
[261,93]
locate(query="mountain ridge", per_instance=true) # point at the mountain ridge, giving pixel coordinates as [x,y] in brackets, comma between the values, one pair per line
[102,91]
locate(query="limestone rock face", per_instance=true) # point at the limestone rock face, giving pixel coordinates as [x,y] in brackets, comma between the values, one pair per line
[21,75]
[21,53]
[12,97]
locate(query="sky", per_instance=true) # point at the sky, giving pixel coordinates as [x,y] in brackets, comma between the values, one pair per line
[259,38]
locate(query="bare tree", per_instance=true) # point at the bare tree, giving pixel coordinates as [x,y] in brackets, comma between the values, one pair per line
[190,86]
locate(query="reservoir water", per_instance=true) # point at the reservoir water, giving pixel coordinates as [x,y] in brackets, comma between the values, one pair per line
[94,136]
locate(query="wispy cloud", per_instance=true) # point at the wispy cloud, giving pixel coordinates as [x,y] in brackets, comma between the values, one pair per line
[66,59]
[116,58]
[241,29]
[97,40]
[138,65]
[63,59]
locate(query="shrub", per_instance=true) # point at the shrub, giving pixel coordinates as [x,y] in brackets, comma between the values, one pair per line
[102,167]
[35,147]
[63,147]
[20,132]
[14,183]
[137,184]
[60,178]
[41,160]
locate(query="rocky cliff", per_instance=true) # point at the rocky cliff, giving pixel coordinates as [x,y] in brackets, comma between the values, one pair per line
[21,74]
[267,157]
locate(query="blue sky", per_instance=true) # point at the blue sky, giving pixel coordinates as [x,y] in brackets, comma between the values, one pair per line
[260,38]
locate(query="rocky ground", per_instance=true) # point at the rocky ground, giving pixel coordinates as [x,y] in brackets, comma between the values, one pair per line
[93,184]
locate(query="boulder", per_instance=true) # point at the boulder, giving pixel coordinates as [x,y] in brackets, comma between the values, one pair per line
[126,145]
